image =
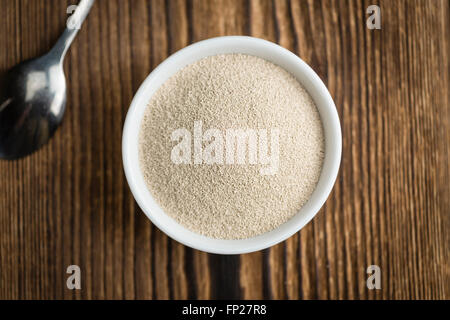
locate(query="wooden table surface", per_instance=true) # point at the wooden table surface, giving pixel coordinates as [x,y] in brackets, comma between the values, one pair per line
[70,204]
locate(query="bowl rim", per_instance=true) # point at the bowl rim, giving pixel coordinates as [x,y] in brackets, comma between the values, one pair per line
[232,44]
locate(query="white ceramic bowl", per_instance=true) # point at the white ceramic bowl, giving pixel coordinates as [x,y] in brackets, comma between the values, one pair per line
[222,45]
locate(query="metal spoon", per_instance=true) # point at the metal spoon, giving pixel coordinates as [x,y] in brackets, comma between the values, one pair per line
[33,100]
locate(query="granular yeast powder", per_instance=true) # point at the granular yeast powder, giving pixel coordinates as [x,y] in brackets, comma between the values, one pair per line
[191,128]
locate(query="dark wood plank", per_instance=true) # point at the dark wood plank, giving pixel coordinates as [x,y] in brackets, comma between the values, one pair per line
[70,204]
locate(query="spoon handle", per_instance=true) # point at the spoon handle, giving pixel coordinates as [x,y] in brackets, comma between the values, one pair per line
[74,23]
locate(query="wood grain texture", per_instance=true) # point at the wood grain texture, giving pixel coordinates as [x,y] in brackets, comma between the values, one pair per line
[70,204]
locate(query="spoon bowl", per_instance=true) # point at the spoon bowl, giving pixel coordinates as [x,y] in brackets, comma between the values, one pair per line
[33,105]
